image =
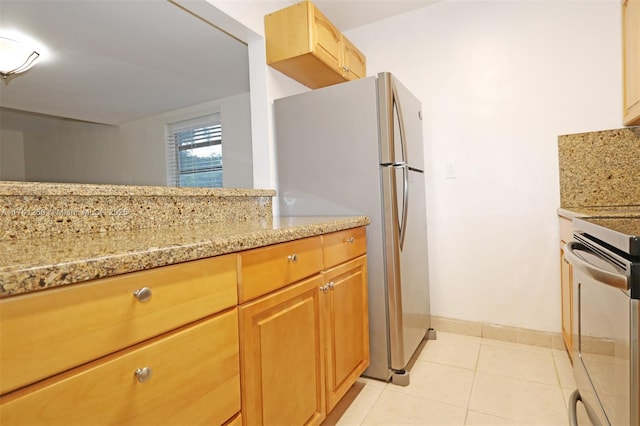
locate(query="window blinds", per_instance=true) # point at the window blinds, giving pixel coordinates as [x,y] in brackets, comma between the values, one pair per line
[195,152]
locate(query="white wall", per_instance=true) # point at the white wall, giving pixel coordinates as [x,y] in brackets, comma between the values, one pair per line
[499,81]
[244,19]
[133,153]
[11,155]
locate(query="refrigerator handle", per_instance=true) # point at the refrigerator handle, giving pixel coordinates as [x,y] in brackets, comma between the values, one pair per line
[402,226]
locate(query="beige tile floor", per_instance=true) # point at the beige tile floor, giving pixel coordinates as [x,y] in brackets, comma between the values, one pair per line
[464,380]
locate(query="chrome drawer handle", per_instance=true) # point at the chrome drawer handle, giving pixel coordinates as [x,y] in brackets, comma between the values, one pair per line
[143,374]
[350,240]
[292,258]
[142,294]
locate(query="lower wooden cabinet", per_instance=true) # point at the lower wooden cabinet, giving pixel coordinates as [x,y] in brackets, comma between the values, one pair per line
[282,353]
[346,327]
[176,345]
[189,376]
[304,346]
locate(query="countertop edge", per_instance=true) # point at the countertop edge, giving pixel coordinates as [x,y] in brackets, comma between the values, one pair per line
[568,214]
[34,278]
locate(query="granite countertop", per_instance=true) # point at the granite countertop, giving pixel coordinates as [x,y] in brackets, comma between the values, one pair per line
[599,211]
[40,263]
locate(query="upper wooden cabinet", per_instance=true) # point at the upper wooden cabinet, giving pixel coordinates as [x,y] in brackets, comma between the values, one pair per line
[631,61]
[303,44]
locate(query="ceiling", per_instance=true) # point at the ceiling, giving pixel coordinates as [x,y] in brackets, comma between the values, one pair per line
[113,61]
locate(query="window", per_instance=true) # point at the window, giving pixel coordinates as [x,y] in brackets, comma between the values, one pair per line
[195,152]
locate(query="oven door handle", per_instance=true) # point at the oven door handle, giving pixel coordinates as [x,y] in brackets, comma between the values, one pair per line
[606,277]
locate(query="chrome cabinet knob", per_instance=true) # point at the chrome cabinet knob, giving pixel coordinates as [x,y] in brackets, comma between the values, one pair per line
[143,374]
[324,289]
[350,240]
[292,258]
[142,294]
[331,285]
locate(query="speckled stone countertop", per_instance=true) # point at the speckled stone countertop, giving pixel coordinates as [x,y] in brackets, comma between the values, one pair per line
[600,211]
[35,264]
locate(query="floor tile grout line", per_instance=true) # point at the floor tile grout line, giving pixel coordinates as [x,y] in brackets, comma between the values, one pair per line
[382,389]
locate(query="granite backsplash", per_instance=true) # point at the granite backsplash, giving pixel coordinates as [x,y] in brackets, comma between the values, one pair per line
[600,168]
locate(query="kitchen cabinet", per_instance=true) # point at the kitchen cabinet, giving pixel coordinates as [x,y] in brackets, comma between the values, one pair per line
[346,327]
[272,335]
[282,349]
[129,349]
[631,61]
[354,62]
[303,44]
[304,344]
[566,286]
[189,376]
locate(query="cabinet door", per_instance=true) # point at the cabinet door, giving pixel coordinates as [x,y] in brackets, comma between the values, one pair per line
[347,327]
[631,58]
[354,63]
[282,357]
[326,40]
[566,288]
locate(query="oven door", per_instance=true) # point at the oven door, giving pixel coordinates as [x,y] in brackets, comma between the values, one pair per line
[601,341]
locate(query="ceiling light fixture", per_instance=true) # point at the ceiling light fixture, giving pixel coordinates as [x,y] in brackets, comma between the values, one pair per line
[15,57]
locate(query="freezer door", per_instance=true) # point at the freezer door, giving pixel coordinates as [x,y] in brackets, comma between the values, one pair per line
[400,124]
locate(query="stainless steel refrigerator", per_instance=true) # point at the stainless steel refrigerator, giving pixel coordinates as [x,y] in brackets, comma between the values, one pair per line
[356,149]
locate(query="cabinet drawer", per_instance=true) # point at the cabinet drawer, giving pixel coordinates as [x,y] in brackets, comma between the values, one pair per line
[195,380]
[47,332]
[341,246]
[269,268]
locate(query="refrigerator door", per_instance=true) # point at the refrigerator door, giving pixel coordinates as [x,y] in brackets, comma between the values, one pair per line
[404,209]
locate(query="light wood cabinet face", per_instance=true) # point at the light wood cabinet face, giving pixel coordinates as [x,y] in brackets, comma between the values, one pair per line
[47,332]
[282,352]
[326,40]
[303,44]
[631,61]
[195,380]
[286,33]
[267,269]
[347,327]
[354,62]
[338,247]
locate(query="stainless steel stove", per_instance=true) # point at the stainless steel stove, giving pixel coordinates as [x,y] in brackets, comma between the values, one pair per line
[605,254]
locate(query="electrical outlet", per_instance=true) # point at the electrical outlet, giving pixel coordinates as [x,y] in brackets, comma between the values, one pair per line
[449,170]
